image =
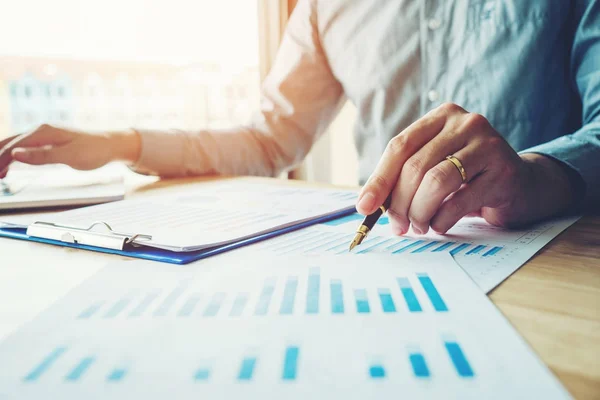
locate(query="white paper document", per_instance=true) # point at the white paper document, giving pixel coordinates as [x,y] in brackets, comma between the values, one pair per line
[487,253]
[58,185]
[233,326]
[209,215]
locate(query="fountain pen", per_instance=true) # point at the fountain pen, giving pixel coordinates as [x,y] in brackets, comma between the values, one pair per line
[369,222]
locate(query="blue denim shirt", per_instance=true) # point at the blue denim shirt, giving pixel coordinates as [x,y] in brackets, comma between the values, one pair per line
[532,67]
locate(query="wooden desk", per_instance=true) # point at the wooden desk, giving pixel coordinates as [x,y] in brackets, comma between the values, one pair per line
[553,300]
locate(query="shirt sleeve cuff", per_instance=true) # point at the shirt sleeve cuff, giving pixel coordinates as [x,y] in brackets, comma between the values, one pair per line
[583,161]
[161,153]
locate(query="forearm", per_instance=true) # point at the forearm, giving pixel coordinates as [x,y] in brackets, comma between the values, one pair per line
[252,150]
[125,146]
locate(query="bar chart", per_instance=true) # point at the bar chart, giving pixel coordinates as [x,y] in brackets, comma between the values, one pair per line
[321,297]
[246,367]
[320,241]
[271,328]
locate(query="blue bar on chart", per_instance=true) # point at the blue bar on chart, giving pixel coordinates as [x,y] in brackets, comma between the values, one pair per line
[80,369]
[408,247]
[459,359]
[45,364]
[277,241]
[362,301]
[289,296]
[492,251]
[333,240]
[383,220]
[343,220]
[291,245]
[443,247]
[476,249]
[116,309]
[377,371]
[367,244]
[314,239]
[116,375]
[262,306]
[144,304]
[247,369]
[165,306]
[90,311]
[459,248]
[312,293]
[202,374]
[374,246]
[290,363]
[337,296]
[434,296]
[395,246]
[214,306]
[387,302]
[409,295]
[188,307]
[239,304]
[425,247]
[419,366]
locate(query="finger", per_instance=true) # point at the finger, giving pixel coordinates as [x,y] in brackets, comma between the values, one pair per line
[7,140]
[44,135]
[3,173]
[470,198]
[441,181]
[460,128]
[39,155]
[398,150]
[413,172]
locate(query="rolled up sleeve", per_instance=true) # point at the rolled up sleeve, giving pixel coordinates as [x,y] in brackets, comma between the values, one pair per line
[300,97]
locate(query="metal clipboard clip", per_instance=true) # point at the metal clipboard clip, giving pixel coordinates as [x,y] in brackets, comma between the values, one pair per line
[85,236]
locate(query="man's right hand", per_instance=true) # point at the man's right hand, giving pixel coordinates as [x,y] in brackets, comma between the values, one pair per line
[79,150]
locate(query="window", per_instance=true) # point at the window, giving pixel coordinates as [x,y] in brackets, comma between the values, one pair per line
[188,64]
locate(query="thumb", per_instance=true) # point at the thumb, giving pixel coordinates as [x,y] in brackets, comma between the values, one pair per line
[39,155]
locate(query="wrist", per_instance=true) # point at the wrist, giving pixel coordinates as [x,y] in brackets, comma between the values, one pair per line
[549,185]
[124,146]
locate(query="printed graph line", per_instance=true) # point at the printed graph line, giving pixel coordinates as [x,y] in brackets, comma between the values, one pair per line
[80,369]
[289,296]
[313,291]
[46,363]
[116,375]
[337,296]
[144,304]
[262,307]
[239,304]
[463,368]
[434,296]
[247,369]
[290,363]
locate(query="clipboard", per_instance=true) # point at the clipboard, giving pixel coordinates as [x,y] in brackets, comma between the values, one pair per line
[100,237]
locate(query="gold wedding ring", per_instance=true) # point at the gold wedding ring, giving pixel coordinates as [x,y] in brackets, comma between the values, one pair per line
[459,167]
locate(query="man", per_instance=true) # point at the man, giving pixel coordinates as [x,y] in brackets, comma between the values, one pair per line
[508,92]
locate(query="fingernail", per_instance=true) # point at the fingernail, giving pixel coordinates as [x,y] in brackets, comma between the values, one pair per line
[366,202]
[19,154]
[417,230]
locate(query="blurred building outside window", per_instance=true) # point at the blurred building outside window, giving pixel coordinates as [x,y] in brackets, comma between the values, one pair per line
[118,64]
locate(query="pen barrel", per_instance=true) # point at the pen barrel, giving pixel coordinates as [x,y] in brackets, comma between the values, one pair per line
[371,220]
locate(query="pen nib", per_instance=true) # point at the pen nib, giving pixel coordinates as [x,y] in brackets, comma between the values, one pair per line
[357,240]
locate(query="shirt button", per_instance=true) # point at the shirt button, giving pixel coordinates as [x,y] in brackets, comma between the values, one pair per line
[434,23]
[433,95]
